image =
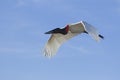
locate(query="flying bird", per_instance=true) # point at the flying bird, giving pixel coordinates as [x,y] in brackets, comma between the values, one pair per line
[60,35]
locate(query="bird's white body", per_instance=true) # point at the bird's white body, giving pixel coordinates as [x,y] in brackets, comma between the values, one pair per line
[56,40]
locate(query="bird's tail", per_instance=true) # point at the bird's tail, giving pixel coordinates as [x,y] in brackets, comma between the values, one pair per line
[92,31]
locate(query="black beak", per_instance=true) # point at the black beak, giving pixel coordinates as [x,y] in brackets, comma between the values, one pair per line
[49,32]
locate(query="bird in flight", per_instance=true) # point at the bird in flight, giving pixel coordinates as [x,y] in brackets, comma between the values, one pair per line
[60,35]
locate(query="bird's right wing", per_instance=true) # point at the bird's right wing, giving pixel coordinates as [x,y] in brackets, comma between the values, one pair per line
[55,41]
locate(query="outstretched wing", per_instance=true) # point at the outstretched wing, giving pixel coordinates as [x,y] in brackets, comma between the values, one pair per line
[92,31]
[83,26]
[55,41]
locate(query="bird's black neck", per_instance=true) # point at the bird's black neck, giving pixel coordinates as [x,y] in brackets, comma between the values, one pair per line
[63,31]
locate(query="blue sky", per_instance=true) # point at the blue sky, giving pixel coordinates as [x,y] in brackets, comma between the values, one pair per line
[22,38]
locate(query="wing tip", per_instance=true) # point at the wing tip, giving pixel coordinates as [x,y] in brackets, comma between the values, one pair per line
[102,37]
[47,52]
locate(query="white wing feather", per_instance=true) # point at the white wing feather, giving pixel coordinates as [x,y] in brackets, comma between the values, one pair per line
[55,41]
[92,31]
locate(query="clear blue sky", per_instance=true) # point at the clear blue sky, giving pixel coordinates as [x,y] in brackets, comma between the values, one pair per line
[22,38]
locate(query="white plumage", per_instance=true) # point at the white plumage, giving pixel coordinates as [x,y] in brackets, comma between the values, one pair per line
[57,39]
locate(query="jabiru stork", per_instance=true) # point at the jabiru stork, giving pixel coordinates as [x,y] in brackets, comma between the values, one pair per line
[60,35]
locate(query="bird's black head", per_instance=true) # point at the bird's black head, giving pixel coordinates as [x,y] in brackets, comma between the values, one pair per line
[57,30]
[63,31]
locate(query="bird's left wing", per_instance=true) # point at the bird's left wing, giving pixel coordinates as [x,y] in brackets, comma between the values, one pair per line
[92,31]
[55,41]
[81,27]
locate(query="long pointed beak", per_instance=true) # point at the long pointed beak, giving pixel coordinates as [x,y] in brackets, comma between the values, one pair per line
[49,32]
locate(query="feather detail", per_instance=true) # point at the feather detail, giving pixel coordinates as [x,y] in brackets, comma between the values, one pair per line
[55,41]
